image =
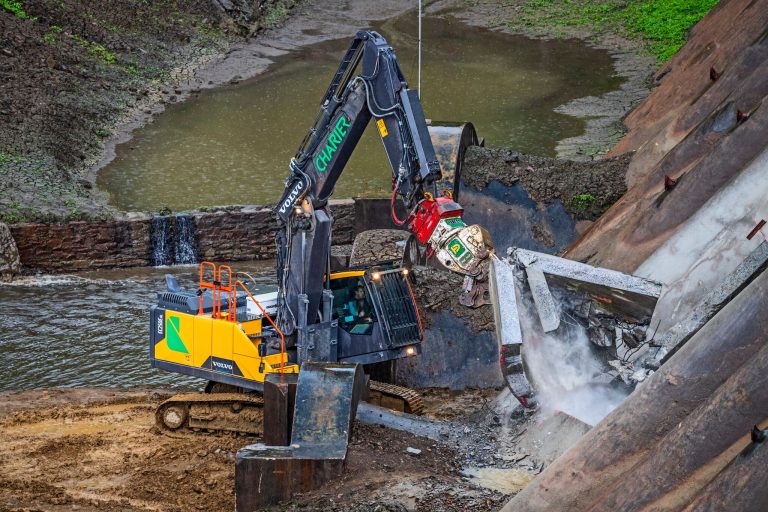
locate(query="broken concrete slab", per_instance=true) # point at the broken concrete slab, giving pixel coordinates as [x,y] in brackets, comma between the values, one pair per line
[677,335]
[532,292]
[549,314]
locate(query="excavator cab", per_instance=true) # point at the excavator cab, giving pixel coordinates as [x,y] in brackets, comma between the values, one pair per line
[377,316]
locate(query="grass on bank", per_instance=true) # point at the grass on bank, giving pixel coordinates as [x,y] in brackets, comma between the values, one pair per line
[16,8]
[662,24]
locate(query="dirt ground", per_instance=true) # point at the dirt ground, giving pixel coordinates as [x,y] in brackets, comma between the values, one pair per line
[97,449]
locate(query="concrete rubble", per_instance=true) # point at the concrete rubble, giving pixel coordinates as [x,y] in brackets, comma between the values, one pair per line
[538,295]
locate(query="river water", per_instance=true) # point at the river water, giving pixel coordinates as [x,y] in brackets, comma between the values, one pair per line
[90,329]
[232,145]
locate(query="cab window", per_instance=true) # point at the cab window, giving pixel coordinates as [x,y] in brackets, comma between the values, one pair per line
[352,305]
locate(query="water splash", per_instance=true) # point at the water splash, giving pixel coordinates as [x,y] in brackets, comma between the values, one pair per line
[174,240]
[564,369]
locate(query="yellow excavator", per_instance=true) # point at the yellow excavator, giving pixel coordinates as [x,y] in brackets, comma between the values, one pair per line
[233,333]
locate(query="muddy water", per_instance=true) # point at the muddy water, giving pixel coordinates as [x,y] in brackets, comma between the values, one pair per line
[89,329]
[232,145]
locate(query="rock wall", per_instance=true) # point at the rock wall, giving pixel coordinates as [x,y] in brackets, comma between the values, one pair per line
[10,264]
[81,245]
[226,234]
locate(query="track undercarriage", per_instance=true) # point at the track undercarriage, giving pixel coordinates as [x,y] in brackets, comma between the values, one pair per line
[229,409]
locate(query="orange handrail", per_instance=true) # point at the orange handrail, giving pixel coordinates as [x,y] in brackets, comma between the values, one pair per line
[231,300]
[205,284]
[283,356]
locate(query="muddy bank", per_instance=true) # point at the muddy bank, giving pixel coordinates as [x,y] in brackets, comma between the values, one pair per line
[73,74]
[586,189]
[100,451]
[438,290]
[68,72]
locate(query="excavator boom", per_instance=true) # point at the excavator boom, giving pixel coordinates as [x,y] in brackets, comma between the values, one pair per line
[369,84]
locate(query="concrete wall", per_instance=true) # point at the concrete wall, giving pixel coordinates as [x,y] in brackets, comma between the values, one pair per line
[704,126]
[227,234]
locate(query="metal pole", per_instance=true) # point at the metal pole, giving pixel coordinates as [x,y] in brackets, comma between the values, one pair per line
[419,80]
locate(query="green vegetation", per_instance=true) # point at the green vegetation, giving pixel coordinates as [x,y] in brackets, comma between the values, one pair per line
[6,158]
[662,24]
[583,202]
[96,50]
[74,213]
[50,36]
[13,214]
[665,22]
[276,13]
[16,8]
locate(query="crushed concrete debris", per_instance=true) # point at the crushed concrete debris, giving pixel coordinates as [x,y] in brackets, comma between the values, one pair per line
[586,321]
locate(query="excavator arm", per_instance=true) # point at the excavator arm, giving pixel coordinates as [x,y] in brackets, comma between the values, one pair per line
[368,84]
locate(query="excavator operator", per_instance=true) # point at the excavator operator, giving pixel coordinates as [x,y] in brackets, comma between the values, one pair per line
[358,306]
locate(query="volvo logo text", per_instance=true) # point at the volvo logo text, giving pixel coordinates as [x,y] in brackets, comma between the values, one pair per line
[292,197]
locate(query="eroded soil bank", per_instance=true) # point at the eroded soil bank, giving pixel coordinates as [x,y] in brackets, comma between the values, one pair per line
[586,189]
[72,72]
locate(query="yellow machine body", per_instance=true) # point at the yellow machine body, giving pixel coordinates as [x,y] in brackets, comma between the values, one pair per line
[215,349]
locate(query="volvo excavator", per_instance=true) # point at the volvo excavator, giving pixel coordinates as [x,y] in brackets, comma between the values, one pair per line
[234,333]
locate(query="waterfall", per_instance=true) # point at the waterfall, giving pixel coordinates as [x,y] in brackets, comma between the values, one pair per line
[162,239]
[173,240]
[185,248]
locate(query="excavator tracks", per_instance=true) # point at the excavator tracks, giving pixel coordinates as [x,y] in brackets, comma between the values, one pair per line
[244,412]
[394,397]
[212,412]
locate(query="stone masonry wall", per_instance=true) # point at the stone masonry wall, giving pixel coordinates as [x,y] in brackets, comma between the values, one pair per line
[81,245]
[226,234]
